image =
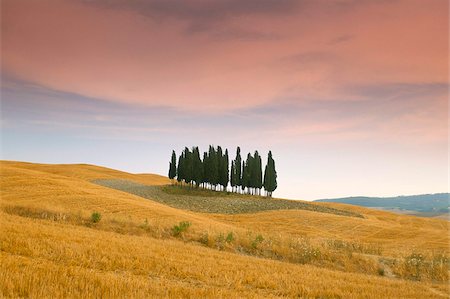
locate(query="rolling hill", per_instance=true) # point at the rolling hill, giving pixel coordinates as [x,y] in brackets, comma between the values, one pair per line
[158,240]
[428,205]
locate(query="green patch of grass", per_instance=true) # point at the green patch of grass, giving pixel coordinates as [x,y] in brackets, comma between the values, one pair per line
[177,230]
[229,238]
[208,201]
[96,217]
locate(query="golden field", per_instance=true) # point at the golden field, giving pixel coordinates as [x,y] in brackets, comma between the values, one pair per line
[49,247]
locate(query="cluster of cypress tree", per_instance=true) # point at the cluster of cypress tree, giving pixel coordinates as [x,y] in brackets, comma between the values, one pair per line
[212,172]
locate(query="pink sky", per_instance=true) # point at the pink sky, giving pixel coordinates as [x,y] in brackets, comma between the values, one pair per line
[328,73]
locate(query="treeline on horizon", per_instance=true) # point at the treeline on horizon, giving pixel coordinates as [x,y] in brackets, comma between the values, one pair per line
[213,171]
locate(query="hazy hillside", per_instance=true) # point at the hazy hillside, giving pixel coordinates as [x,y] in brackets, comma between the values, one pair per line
[158,240]
[425,204]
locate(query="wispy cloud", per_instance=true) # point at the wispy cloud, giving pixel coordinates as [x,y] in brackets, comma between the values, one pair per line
[202,10]
[341,39]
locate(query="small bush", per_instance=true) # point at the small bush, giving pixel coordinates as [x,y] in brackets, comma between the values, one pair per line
[96,217]
[259,239]
[381,271]
[229,238]
[145,225]
[177,230]
[307,253]
[204,239]
[413,265]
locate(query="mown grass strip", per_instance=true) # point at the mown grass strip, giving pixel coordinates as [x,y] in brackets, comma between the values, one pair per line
[207,201]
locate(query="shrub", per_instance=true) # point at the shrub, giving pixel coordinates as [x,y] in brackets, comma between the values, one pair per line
[307,253]
[229,238]
[145,225]
[177,230]
[96,217]
[258,240]
[204,239]
[381,271]
[413,265]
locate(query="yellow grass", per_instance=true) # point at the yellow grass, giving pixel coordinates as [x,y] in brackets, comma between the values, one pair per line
[131,252]
[394,233]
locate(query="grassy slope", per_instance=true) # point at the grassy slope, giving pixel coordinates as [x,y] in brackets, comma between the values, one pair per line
[85,259]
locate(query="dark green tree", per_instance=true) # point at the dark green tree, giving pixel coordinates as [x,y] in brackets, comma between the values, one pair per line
[173,167]
[244,177]
[219,158]
[197,167]
[180,169]
[213,167]
[205,164]
[224,170]
[257,173]
[188,166]
[270,176]
[233,176]
[238,168]
[247,177]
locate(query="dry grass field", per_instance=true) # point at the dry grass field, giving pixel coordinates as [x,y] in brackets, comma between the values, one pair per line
[50,247]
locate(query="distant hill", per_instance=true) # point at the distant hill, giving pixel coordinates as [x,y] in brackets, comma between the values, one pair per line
[424,205]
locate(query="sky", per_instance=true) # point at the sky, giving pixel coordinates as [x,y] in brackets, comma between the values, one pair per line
[350,96]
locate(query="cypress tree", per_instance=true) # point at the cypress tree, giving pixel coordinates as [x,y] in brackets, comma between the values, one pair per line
[197,167]
[233,176]
[247,177]
[270,176]
[244,177]
[214,167]
[180,170]
[220,166]
[251,171]
[205,169]
[225,172]
[188,169]
[274,184]
[173,166]
[257,175]
[252,178]
[238,168]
